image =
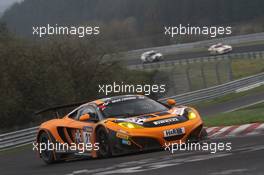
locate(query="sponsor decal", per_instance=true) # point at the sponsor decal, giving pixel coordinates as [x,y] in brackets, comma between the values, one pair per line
[137,120]
[123,99]
[126,142]
[87,134]
[169,120]
[78,136]
[122,136]
[174,132]
[179,111]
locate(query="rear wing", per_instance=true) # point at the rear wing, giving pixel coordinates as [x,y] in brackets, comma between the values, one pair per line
[55,109]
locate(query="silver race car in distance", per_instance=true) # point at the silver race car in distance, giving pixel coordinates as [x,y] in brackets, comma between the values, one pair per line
[219,49]
[151,56]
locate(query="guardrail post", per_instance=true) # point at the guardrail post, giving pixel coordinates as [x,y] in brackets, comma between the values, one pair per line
[217,72]
[187,71]
[203,76]
[230,70]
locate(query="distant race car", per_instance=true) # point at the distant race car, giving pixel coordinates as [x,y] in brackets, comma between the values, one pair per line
[151,56]
[220,48]
[118,125]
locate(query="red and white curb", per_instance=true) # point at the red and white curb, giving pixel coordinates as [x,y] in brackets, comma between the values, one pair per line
[235,131]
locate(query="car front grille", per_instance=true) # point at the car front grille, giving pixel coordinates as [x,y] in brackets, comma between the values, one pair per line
[146,142]
[174,138]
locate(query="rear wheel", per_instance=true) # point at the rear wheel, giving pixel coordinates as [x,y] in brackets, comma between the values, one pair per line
[46,155]
[104,143]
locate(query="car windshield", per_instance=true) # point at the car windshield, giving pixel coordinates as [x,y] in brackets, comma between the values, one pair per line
[152,53]
[218,45]
[132,107]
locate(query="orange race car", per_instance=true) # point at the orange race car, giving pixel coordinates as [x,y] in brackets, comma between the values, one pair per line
[118,125]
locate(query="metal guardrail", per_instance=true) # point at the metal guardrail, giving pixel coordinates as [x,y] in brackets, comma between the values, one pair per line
[17,138]
[217,91]
[26,136]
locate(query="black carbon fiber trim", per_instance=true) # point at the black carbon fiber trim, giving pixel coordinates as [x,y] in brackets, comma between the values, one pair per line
[62,134]
[174,138]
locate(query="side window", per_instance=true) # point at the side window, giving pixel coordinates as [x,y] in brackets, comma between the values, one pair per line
[88,110]
[73,115]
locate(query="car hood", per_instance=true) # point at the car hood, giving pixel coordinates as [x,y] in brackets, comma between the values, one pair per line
[156,119]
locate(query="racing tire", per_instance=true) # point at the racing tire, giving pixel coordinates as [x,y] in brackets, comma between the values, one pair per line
[203,134]
[102,138]
[47,155]
[156,60]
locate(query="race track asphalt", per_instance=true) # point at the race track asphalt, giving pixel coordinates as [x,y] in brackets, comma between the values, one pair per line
[245,158]
[232,104]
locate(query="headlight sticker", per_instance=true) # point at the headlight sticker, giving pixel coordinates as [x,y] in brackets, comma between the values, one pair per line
[179,111]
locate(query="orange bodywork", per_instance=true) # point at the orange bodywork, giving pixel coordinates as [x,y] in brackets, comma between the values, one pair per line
[68,127]
[157,132]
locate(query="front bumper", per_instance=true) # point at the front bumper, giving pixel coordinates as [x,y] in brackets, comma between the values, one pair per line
[152,138]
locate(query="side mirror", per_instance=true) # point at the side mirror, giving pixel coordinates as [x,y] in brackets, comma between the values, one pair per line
[171,102]
[85,117]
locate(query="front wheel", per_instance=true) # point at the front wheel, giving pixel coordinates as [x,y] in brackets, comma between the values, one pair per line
[46,155]
[203,134]
[104,143]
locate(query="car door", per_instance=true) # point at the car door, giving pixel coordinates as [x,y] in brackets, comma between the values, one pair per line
[85,133]
[80,132]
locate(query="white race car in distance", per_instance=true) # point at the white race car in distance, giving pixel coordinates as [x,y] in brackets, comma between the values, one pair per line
[151,56]
[220,48]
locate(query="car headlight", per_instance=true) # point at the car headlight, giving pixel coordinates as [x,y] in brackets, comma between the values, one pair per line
[129,125]
[191,115]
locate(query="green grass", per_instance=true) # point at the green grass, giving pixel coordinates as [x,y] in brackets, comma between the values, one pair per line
[250,114]
[251,43]
[241,67]
[246,67]
[195,72]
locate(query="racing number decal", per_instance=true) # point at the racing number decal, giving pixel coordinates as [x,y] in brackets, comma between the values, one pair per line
[84,135]
[78,137]
[87,134]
